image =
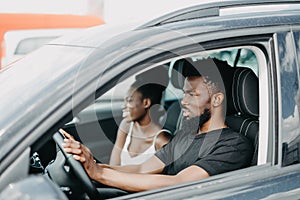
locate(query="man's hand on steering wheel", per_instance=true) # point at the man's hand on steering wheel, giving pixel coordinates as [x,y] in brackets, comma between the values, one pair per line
[80,153]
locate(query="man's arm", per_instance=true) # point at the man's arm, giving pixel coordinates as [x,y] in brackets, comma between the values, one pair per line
[134,182]
[132,178]
[151,166]
[85,156]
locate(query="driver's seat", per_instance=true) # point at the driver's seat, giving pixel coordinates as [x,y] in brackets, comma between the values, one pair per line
[243,106]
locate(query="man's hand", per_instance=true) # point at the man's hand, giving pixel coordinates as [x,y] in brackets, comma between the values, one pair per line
[81,153]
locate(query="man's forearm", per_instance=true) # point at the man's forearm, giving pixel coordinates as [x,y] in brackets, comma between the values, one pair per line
[126,168]
[133,182]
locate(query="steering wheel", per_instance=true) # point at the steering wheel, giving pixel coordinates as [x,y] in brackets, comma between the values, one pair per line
[77,168]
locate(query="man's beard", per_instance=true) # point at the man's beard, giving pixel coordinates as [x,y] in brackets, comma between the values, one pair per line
[194,124]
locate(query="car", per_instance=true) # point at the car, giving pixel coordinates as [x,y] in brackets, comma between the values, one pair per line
[78,83]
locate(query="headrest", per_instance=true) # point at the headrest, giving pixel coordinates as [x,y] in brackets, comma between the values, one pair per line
[177,78]
[209,67]
[245,93]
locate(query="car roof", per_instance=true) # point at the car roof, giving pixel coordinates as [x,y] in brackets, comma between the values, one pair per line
[210,9]
[99,34]
[215,16]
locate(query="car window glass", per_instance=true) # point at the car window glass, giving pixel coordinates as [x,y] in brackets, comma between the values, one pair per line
[104,115]
[97,125]
[242,57]
[289,74]
[118,92]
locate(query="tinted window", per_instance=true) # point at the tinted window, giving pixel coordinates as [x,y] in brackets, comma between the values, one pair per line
[289,97]
[239,57]
[242,57]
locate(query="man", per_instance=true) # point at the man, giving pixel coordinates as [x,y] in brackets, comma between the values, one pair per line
[204,146]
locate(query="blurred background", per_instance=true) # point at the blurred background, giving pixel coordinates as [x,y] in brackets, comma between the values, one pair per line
[112,11]
[25,25]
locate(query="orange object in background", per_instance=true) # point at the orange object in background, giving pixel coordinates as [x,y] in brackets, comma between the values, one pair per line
[10,22]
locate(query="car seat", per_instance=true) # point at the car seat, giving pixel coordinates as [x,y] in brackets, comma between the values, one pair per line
[242,110]
[243,106]
[173,114]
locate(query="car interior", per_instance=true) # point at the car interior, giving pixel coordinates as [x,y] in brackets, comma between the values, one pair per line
[96,126]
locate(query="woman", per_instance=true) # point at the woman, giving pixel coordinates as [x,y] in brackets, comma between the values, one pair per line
[140,135]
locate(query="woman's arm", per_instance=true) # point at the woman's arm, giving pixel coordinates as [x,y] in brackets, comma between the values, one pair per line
[115,158]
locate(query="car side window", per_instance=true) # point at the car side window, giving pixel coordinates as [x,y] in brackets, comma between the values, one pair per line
[242,57]
[288,47]
[97,125]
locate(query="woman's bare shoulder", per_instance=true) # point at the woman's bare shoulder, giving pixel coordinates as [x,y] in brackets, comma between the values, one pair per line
[124,126]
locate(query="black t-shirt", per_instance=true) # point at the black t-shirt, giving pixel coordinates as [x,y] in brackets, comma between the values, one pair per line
[216,152]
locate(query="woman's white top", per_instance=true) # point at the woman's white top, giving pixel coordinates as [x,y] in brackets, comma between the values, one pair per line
[127,159]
